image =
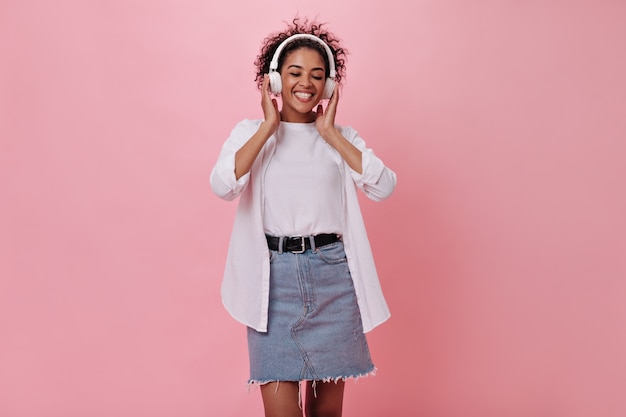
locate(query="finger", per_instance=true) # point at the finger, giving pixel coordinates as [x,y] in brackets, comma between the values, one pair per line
[332,103]
[320,110]
[264,88]
[335,97]
[266,83]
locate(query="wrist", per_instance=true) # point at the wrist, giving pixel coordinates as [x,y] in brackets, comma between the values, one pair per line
[268,127]
[330,134]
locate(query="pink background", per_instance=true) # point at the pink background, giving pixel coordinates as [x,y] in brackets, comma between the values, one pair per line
[502,252]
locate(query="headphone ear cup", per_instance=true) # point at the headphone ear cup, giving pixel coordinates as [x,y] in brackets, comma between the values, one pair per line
[276,84]
[329,88]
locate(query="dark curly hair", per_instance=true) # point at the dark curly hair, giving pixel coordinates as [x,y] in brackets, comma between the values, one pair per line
[271,43]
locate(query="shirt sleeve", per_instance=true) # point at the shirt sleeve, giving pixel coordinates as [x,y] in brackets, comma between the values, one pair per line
[222,179]
[377,181]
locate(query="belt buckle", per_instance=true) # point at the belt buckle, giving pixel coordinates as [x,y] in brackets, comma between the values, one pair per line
[302,246]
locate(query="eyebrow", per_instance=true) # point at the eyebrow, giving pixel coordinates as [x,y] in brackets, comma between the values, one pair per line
[299,67]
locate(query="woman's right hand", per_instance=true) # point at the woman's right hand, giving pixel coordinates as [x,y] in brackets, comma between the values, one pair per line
[269,105]
[246,155]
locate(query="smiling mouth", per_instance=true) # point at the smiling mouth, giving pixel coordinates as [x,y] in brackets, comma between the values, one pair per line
[303,96]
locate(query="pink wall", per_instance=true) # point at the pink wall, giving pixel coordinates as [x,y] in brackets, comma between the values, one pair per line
[502,252]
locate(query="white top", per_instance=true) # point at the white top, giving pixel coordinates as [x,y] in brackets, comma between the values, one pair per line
[302,184]
[246,281]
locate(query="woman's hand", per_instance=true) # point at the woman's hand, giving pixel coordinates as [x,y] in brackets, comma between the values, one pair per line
[325,121]
[246,155]
[269,105]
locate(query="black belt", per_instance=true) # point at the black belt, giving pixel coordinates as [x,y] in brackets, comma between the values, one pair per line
[301,243]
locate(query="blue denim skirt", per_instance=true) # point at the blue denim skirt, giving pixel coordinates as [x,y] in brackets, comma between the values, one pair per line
[314,331]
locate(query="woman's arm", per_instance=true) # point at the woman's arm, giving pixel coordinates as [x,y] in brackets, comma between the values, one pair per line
[325,123]
[229,175]
[368,172]
[246,155]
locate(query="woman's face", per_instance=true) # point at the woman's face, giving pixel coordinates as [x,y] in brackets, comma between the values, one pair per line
[303,76]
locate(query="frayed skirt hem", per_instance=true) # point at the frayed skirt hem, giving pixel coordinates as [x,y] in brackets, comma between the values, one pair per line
[335,379]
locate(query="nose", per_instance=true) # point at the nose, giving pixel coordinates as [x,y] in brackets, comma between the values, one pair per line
[305,82]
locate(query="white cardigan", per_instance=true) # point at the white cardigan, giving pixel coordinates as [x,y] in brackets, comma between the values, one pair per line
[245,285]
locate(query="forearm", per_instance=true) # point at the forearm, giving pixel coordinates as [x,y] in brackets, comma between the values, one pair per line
[350,153]
[247,154]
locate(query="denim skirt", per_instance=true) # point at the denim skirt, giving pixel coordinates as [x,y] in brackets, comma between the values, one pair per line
[314,330]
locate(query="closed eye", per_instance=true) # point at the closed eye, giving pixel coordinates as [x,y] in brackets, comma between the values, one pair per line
[297,74]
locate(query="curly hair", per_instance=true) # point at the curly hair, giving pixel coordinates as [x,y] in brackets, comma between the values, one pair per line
[271,43]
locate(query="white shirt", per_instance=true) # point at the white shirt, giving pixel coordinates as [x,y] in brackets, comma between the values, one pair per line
[303,193]
[245,285]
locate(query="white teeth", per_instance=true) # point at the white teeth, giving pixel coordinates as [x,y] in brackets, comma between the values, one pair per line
[303,95]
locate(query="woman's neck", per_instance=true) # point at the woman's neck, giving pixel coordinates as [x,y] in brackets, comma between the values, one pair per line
[298,118]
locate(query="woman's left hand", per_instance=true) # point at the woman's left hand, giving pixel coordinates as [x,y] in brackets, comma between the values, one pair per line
[325,120]
[325,123]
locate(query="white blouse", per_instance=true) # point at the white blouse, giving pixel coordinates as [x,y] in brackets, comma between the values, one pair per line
[302,184]
[246,280]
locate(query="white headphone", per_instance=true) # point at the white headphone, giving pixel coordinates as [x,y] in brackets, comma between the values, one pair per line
[276,85]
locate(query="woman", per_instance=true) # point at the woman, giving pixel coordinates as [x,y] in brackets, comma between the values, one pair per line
[300,273]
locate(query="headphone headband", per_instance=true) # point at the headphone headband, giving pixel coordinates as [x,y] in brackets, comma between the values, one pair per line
[331,60]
